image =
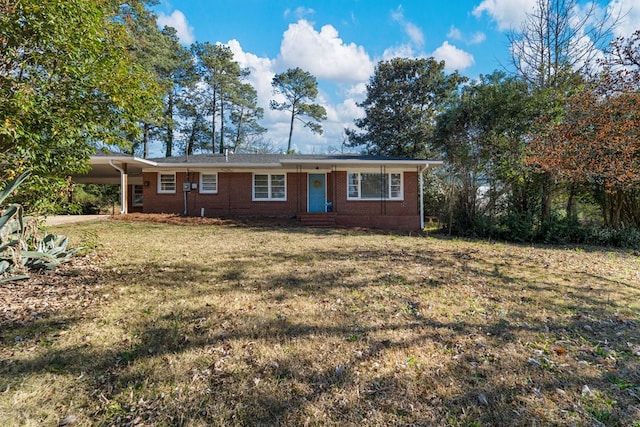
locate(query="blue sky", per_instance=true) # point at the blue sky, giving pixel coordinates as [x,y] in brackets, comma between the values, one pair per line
[339,42]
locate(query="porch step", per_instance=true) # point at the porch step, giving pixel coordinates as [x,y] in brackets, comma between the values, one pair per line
[321,219]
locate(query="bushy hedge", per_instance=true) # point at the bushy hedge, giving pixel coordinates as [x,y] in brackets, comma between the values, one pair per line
[561,230]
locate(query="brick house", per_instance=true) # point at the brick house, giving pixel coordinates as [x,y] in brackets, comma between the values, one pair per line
[342,190]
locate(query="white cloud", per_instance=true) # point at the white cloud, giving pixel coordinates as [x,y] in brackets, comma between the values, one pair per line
[399,51]
[339,115]
[456,34]
[508,14]
[357,91]
[323,54]
[630,12]
[299,12]
[453,57]
[261,71]
[478,38]
[412,30]
[178,21]
[415,33]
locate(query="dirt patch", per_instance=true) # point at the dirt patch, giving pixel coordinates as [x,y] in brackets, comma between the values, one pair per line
[72,287]
[175,219]
[246,222]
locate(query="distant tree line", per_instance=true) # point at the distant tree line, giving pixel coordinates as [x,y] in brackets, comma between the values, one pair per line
[549,152]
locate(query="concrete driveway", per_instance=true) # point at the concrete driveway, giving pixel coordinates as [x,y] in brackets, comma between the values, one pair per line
[70,219]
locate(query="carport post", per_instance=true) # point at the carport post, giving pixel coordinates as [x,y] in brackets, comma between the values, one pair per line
[123,186]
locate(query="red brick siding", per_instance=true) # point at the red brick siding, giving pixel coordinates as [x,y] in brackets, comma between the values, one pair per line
[408,206]
[234,198]
[388,214]
[153,202]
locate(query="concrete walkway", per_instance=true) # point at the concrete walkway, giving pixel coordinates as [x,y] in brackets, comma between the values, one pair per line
[70,219]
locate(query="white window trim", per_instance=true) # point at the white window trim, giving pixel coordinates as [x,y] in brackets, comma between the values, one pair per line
[200,183]
[175,183]
[270,198]
[360,198]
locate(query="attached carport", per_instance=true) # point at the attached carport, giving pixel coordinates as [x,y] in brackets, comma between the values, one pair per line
[115,169]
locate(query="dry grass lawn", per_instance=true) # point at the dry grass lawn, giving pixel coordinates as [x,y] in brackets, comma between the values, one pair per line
[228,324]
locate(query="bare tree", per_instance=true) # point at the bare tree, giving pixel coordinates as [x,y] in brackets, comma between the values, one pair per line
[558,39]
[553,51]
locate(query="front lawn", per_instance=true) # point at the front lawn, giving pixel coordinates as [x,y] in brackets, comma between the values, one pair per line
[228,324]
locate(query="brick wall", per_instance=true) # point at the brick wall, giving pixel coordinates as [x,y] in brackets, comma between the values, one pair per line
[388,214]
[408,206]
[234,198]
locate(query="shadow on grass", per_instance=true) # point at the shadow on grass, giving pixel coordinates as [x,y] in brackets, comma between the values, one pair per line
[369,350]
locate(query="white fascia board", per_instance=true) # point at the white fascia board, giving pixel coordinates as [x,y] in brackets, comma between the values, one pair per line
[217,167]
[105,160]
[369,163]
[287,164]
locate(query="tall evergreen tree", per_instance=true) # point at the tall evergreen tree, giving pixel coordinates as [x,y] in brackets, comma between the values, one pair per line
[193,108]
[160,52]
[300,90]
[244,116]
[221,73]
[404,98]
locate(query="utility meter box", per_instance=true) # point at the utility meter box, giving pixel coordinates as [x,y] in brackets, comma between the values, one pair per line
[186,186]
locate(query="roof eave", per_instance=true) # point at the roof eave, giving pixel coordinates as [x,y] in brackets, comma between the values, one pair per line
[122,159]
[217,165]
[407,162]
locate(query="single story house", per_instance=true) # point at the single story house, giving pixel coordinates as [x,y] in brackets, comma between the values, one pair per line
[342,190]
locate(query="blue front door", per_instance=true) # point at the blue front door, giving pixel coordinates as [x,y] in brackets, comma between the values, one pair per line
[317,193]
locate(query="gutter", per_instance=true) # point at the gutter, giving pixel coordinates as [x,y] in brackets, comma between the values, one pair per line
[123,188]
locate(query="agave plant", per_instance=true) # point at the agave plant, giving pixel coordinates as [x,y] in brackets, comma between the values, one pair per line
[21,249]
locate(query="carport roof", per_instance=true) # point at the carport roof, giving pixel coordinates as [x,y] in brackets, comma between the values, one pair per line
[103,170]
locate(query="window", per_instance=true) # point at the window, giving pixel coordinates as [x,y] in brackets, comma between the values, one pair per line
[137,195]
[208,182]
[374,186]
[269,187]
[166,183]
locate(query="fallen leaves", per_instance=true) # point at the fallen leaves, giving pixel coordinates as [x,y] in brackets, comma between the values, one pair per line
[72,287]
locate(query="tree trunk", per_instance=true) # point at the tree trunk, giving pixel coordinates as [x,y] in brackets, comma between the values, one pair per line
[238,130]
[547,200]
[606,216]
[571,205]
[617,208]
[169,116]
[145,141]
[293,115]
[221,123]
[213,121]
